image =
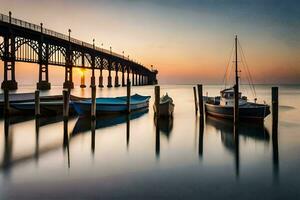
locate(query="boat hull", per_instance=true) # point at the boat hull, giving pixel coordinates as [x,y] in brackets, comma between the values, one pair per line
[112,105]
[85,108]
[165,109]
[251,112]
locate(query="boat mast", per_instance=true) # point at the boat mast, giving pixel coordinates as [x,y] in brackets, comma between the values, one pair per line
[236,88]
[236,66]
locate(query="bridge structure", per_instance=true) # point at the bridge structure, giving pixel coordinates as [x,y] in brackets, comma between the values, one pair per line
[26,42]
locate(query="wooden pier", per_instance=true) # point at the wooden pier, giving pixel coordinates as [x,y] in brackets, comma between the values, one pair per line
[26,42]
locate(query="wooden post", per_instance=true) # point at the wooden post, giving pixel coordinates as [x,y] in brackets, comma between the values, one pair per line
[200,99]
[195,99]
[66,98]
[6,103]
[128,95]
[93,106]
[274,110]
[37,103]
[157,99]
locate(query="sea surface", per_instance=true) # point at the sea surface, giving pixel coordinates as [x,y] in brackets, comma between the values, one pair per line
[129,157]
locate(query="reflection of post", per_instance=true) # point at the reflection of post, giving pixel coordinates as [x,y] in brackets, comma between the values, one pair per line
[7,146]
[93,130]
[201,130]
[127,130]
[157,139]
[37,137]
[66,141]
[237,150]
[275,155]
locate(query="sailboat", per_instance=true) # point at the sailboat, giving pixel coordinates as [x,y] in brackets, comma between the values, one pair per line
[223,106]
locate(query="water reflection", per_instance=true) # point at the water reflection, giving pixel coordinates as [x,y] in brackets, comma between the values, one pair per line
[93,130]
[83,124]
[200,143]
[66,142]
[8,142]
[275,152]
[230,135]
[163,126]
[9,161]
[37,138]
[127,130]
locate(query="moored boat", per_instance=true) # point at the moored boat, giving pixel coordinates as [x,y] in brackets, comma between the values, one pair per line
[111,105]
[166,106]
[48,104]
[223,105]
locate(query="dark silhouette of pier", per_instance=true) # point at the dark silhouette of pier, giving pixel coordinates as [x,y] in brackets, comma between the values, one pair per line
[26,42]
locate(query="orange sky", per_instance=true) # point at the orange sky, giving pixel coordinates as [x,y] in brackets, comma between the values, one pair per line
[187,43]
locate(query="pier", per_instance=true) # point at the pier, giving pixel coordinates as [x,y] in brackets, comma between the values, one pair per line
[22,41]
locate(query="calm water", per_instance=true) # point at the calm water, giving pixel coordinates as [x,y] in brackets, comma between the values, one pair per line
[126,159]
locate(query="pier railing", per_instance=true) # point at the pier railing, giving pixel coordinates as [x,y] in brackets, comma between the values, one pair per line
[34,27]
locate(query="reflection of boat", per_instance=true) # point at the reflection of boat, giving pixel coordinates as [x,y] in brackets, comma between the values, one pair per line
[165,125]
[223,106]
[112,105]
[83,124]
[256,131]
[166,106]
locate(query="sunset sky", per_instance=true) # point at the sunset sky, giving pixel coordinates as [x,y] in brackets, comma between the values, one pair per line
[188,41]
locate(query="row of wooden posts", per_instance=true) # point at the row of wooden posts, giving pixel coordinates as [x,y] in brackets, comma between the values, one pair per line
[198,103]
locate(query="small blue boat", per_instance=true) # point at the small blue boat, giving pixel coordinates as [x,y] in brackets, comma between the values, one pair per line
[112,105]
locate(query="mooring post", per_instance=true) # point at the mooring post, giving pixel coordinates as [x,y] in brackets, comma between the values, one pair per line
[37,103]
[66,98]
[200,99]
[274,110]
[128,95]
[195,99]
[93,106]
[157,99]
[6,103]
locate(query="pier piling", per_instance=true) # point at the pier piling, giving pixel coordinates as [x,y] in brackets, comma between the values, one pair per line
[200,99]
[6,103]
[157,99]
[93,106]
[195,99]
[128,95]
[37,103]
[66,99]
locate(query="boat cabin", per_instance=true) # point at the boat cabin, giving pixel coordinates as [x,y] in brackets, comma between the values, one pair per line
[227,97]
